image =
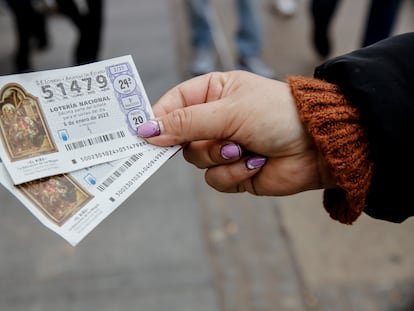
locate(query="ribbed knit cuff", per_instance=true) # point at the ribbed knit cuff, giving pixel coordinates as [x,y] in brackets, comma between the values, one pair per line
[334,126]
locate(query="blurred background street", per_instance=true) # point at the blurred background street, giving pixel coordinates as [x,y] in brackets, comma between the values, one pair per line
[176,244]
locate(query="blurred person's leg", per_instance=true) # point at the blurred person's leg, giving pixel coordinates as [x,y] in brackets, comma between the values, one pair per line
[39,33]
[249,38]
[201,37]
[381,20]
[88,25]
[91,29]
[26,21]
[200,29]
[322,12]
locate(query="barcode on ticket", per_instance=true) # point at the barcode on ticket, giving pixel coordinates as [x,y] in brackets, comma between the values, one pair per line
[127,164]
[94,140]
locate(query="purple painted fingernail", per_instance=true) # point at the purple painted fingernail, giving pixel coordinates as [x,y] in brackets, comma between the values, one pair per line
[150,128]
[255,162]
[230,151]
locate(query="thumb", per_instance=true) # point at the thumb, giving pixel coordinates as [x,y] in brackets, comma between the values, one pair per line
[183,125]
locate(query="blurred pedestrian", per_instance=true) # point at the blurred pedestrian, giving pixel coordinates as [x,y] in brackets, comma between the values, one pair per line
[249,37]
[379,23]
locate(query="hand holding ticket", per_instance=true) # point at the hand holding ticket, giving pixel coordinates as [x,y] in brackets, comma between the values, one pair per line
[69,150]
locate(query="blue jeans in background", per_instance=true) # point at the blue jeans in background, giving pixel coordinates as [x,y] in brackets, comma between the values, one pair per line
[249,36]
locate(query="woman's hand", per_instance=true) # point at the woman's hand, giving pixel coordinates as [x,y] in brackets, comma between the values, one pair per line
[244,129]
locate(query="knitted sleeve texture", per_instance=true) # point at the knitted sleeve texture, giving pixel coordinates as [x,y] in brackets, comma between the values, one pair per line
[334,126]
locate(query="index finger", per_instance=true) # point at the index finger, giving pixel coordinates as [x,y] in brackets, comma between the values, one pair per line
[198,90]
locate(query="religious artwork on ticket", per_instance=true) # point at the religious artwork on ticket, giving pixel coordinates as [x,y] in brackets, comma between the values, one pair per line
[58,197]
[24,132]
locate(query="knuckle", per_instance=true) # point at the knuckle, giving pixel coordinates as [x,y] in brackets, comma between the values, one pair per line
[181,120]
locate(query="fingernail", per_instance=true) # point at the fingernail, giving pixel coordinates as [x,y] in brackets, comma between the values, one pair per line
[150,128]
[230,151]
[255,162]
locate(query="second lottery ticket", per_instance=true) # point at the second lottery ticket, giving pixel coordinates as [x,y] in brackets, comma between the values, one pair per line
[73,204]
[62,120]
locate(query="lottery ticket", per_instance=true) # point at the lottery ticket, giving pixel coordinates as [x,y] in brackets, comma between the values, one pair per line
[58,121]
[73,204]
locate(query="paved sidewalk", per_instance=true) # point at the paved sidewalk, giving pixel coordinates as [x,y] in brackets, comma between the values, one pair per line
[177,245]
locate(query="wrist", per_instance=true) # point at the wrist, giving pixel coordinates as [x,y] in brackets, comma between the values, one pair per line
[345,169]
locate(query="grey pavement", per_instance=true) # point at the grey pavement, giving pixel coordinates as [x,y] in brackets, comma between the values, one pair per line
[177,244]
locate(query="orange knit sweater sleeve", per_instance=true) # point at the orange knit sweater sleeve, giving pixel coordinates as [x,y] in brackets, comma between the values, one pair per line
[334,126]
